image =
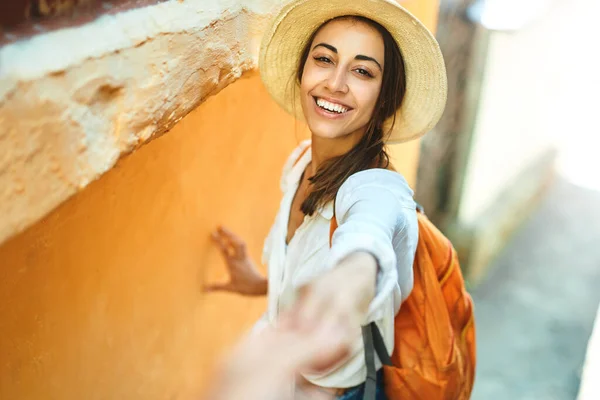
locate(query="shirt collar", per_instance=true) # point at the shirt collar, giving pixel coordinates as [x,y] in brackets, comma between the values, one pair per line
[299,166]
[326,211]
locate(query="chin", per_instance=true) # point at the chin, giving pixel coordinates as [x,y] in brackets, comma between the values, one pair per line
[325,132]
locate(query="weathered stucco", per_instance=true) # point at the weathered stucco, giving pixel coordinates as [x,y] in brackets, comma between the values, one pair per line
[74,100]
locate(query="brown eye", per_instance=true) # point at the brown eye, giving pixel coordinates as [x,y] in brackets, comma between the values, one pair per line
[323,59]
[364,72]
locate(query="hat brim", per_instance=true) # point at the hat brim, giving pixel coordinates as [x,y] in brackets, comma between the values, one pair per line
[426,82]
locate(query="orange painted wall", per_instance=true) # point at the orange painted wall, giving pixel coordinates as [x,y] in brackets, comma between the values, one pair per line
[102,299]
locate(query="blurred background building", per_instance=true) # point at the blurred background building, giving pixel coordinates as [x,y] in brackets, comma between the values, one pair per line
[130,128]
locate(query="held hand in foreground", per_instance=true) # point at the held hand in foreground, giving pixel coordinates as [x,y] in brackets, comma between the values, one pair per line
[244,277]
[342,295]
[264,366]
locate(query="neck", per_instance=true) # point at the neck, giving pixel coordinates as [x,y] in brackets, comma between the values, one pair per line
[325,149]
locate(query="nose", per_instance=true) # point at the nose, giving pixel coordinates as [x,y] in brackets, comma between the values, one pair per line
[336,81]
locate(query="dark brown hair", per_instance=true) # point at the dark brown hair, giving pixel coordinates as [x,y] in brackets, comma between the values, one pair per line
[370,151]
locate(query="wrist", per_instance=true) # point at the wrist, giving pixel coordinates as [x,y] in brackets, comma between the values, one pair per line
[260,287]
[358,271]
[360,268]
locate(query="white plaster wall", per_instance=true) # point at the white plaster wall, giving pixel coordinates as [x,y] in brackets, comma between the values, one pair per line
[74,100]
[520,113]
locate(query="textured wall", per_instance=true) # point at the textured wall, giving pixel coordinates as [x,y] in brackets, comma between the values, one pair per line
[74,100]
[102,298]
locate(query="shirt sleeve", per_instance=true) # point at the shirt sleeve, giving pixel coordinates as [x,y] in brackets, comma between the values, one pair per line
[373,210]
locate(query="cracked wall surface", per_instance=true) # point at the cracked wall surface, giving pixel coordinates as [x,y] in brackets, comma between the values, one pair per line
[74,100]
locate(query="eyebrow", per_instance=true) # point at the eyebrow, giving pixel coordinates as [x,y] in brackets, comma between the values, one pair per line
[358,57]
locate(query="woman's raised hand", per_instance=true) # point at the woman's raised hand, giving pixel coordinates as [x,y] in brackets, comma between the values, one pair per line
[244,277]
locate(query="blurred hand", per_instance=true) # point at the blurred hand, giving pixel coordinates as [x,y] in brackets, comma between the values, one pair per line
[265,366]
[340,296]
[244,277]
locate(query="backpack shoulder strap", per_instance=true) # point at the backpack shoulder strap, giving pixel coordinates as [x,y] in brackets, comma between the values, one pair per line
[374,344]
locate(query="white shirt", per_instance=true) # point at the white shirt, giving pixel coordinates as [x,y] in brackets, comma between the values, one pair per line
[376,213]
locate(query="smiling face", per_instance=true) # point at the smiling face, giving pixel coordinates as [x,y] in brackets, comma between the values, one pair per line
[341,79]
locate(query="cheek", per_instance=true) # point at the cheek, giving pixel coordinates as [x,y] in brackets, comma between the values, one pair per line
[308,79]
[367,96]
[304,87]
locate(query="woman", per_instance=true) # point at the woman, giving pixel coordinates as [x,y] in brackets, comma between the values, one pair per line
[359,73]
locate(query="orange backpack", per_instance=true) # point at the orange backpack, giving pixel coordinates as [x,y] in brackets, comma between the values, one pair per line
[434,346]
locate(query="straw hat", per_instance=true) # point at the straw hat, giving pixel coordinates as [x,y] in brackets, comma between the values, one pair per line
[426,85]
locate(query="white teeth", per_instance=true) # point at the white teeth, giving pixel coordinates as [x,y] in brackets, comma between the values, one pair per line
[331,106]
